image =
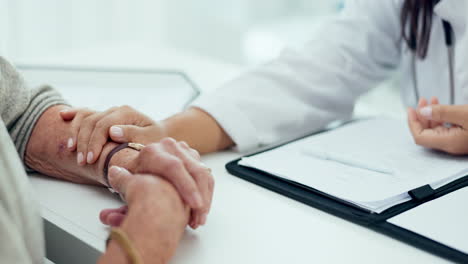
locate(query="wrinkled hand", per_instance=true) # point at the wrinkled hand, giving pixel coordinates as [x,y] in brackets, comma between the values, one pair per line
[174,161]
[180,165]
[155,217]
[427,125]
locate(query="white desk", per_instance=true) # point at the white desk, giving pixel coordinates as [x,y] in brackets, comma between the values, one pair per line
[248,224]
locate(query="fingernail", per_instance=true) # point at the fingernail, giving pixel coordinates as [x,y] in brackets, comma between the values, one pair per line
[63,111]
[116,131]
[426,112]
[70,143]
[114,170]
[197,200]
[80,158]
[90,157]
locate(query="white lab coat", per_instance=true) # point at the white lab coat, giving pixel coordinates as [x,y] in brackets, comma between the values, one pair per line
[304,90]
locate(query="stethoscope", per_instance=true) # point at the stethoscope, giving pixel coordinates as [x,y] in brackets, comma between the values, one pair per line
[449,41]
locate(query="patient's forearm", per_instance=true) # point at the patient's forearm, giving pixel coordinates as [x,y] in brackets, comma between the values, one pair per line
[47,152]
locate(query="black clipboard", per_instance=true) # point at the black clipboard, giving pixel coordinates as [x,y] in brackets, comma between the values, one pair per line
[353,213]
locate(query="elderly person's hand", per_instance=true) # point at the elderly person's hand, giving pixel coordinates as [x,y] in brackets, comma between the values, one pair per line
[181,166]
[154,220]
[91,130]
[177,163]
[428,129]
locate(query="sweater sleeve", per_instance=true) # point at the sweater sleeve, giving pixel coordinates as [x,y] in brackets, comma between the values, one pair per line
[21,106]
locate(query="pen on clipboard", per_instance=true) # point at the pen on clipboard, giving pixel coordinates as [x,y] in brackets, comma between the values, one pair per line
[345,161]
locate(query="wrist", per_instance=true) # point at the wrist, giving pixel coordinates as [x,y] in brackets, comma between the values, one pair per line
[156,221]
[125,158]
[199,129]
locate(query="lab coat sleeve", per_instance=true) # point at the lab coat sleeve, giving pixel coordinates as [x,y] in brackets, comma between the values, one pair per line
[304,90]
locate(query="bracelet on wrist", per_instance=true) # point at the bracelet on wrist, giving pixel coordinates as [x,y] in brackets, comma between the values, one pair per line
[135,146]
[121,238]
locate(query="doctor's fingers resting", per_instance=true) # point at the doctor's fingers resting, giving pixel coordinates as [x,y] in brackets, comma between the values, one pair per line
[451,138]
[180,165]
[424,121]
[93,129]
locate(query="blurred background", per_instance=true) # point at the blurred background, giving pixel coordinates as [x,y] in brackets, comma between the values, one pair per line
[238,32]
[211,40]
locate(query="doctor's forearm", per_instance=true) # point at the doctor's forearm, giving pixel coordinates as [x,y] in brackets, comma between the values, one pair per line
[200,130]
[48,154]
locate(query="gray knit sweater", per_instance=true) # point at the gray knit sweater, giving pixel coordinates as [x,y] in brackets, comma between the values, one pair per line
[21,107]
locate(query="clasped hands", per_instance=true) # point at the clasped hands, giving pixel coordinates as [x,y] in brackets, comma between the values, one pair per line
[440,127]
[163,157]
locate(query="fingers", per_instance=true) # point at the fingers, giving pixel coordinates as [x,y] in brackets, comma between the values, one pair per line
[206,185]
[422,136]
[414,124]
[113,217]
[193,152]
[452,140]
[205,182]
[137,134]
[202,176]
[69,113]
[157,159]
[99,136]
[91,130]
[455,114]
[129,133]
[119,179]
[424,122]
[194,181]
[417,129]
[433,124]
[80,115]
[87,127]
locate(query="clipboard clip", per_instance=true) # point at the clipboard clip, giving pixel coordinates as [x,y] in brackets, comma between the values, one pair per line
[422,192]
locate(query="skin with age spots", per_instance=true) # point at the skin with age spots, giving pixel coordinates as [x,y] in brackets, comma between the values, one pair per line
[157,216]
[62,147]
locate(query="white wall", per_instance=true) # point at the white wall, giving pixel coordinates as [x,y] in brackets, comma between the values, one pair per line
[4,26]
[38,28]
[216,28]
[228,22]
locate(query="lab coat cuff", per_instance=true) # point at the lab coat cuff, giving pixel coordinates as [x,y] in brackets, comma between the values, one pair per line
[234,122]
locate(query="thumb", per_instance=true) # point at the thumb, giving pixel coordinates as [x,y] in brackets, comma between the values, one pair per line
[128,133]
[455,114]
[119,179]
[68,114]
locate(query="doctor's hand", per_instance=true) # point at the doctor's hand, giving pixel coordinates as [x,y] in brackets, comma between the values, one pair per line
[428,129]
[91,130]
